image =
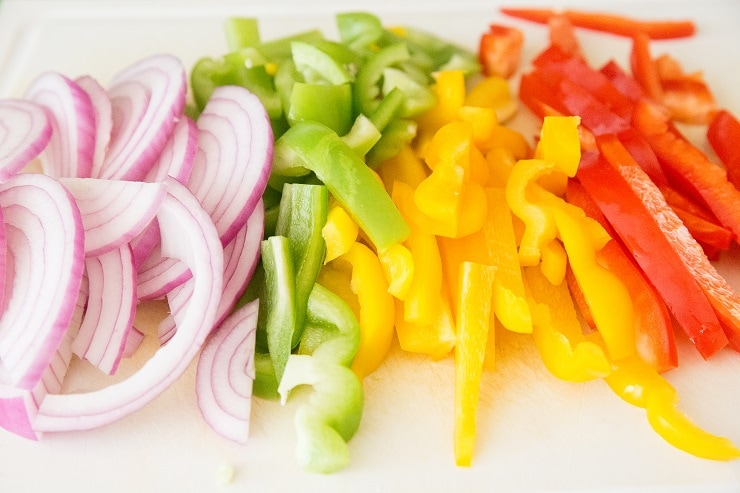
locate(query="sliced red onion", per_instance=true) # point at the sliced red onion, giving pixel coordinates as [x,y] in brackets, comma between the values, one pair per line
[111,307]
[176,161]
[178,155]
[234,158]
[134,340]
[45,243]
[19,407]
[25,131]
[240,259]
[103,119]
[113,211]
[189,235]
[160,275]
[72,145]
[225,374]
[147,99]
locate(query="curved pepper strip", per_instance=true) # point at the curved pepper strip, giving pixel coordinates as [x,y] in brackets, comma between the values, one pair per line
[557,332]
[339,233]
[474,301]
[539,224]
[333,412]
[639,384]
[310,146]
[607,297]
[376,308]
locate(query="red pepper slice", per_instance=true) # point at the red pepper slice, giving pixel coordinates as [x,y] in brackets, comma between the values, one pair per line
[563,35]
[643,68]
[688,168]
[577,70]
[500,50]
[654,335]
[723,134]
[617,197]
[610,23]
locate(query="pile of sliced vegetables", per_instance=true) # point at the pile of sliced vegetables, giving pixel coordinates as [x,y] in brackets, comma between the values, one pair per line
[316,200]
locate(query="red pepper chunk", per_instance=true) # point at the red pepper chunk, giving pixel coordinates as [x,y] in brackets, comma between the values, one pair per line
[621,191]
[609,23]
[690,168]
[500,50]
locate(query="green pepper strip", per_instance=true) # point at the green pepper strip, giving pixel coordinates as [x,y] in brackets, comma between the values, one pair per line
[318,66]
[332,415]
[367,82]
[330,105]
[310,146]
[303,212]
[362,136]
[279,300]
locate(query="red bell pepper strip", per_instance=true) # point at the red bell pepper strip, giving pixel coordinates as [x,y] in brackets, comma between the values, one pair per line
[688,167]
[613,187]
[500,49]
[643,69]
[723,134]
[577,70]
[610,23]
[654,335]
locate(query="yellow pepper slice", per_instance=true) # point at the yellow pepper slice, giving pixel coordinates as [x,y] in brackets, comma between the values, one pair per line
[494,93]
[339,232]
[637,382]
[539,226]
[376,308]
[474,302]
[449,88]
[557,332]
[605,294]
[435,339]
[398,265]
[421,303]
[406,167]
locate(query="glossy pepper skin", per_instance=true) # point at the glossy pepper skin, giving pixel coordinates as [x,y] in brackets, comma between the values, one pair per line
[638,383]
[312,147]
[333,412]
[641,233]
[557,332]
[474,300]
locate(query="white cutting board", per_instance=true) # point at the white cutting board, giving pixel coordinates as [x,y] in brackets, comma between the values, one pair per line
[535,432]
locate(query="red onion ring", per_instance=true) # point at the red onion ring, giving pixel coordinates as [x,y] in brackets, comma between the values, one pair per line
[25,131]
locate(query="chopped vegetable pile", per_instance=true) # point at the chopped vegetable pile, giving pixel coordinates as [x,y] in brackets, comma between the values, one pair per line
[315,200]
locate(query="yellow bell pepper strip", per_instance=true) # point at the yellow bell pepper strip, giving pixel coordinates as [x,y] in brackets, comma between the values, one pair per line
[398,267]
[473,322]
[376,308]
[339,232]
[559,143]
[606,295]
[455,142]
[458,205]
[554,261]
[449,88]
[301,217]
[422,299]
[539,224]
[501,161]
[435,339]
[312,146]
[333,412]
[636,382]
[557,332]
[494,244]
